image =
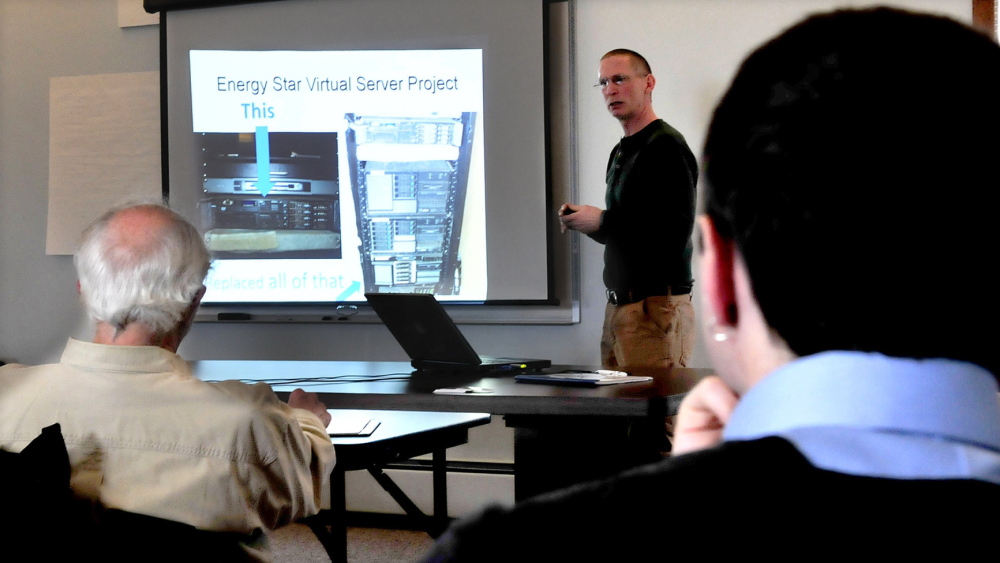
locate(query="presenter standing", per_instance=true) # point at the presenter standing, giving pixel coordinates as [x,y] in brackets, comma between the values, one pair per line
[646,227]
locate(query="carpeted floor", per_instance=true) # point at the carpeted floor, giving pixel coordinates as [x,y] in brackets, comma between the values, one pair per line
[297,544]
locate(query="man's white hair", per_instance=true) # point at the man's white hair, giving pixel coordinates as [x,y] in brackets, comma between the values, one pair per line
[152,283]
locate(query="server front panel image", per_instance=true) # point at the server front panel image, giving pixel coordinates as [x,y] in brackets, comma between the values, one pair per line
[409,177]
[297,217]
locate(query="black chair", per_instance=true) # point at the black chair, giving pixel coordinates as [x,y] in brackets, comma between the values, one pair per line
[36,505]
[39,515]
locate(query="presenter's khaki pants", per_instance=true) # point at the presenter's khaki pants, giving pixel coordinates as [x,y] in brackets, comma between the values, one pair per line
[657,331]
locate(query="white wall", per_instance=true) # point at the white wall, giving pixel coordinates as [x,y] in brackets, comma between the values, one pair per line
[39,40]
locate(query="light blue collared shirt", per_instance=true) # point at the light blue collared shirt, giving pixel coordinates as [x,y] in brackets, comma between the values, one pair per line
[872,415]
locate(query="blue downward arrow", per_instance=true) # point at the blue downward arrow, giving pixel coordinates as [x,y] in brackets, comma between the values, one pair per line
[263,161]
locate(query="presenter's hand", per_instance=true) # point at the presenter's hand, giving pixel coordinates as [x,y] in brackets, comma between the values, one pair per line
[703,415]
[300,399]
[583,218]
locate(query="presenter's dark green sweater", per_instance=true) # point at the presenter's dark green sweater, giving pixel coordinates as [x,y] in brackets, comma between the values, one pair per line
[650,202]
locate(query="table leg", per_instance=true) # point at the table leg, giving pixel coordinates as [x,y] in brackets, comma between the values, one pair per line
[397,494]
[330,527]
[440,483]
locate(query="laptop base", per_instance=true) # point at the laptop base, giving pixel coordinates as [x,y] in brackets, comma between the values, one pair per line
[511,368]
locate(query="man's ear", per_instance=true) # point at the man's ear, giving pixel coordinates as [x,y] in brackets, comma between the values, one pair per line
[189,313]
[718,259]
[186,321]
[197,299]
[650,83]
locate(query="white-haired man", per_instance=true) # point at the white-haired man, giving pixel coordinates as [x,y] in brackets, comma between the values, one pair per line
[143,435]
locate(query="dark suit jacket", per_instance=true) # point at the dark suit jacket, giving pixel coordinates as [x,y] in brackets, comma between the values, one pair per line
[759,497]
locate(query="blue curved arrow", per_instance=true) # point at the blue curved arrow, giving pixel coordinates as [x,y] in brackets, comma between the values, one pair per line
[349,291]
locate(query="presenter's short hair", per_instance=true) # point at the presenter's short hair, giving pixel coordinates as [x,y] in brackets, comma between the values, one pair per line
[853,161]
[638,60]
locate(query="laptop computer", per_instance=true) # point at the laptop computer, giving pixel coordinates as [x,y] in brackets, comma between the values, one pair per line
[428,335]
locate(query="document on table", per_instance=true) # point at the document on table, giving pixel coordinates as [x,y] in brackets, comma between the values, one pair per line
[344,424]
[580,378]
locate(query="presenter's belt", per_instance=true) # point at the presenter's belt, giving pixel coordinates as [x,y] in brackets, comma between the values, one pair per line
[628,296]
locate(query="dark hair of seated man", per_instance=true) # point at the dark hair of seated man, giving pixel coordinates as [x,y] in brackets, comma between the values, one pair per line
[853,162]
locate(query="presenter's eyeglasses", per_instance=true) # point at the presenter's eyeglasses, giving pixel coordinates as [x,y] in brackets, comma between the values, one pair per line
[617,80]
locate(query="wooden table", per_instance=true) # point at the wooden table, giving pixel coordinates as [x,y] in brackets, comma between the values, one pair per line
[563,434]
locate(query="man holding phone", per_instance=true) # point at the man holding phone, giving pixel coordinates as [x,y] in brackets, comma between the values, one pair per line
[649,319]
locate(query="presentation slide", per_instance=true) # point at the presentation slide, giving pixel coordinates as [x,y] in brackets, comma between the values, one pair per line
[329,174]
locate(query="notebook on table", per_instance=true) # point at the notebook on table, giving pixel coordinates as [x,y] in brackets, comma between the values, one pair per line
[587,379]
[428,335]
[347,424]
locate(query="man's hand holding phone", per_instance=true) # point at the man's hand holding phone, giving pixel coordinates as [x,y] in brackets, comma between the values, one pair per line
[583,218]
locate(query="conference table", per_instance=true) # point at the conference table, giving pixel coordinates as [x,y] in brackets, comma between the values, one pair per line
[563,434]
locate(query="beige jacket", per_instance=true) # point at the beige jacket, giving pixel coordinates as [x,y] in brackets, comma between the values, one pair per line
[145,436]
